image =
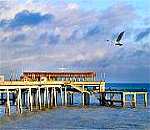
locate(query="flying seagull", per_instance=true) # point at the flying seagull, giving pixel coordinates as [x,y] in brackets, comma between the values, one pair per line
[117,42]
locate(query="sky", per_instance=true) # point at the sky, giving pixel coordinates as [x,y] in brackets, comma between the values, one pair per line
[46,35]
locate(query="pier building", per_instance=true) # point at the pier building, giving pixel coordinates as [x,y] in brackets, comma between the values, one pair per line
[59,76]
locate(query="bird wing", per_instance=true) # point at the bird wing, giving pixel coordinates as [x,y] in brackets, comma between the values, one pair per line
[120,36]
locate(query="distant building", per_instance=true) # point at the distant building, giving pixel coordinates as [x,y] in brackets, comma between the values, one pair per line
[1,78]
[59,76]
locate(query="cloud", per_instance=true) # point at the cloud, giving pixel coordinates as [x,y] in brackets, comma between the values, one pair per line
[26,18]
[73,6]
[143,34]
[43,37]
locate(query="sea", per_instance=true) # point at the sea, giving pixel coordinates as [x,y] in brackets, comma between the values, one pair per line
[78,117]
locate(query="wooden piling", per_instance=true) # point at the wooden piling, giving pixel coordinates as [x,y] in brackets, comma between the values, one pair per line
[39,96]
[55,97]
[123,99]
[52,97]
[20,101]
[145,99]
[83,95]
[44,97]
[61,96]
[47,96]
[30,99]
[36,99]
[8,104]
[71,98]
[133,100]
[65,96]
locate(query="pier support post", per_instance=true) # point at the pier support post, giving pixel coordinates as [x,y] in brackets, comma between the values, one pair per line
[61,95]
[47,95]
[145,99]
[72,99]
[14,98]
[2,99]
[86,99]
[39,96]
[83,96]
[55,97]
[103,98]
[134,100]
[123,99]
[25,96]
[69,98]
[112,99]
[83,99]
[30,99]
[20,100]
[18,107]
[52,97]
[100,98]
[65,96]
[8,104]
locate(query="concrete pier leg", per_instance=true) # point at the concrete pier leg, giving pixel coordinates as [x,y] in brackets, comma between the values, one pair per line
[52,95]
[55,97]
[104,99]
[61,95]
[18,104]
[83,99]
[47,96]
[30,99]
[36,99]
[20,100]
[86,99]
[39,96]
[44,97]
[72,99]
[14,98]
[65,96]
[134,100]
[23,99]
[8,104]
[111,99]
[69,98]
[100,98]
[2,98]
[26,99]
[83,103]
[145,99]
[123,100]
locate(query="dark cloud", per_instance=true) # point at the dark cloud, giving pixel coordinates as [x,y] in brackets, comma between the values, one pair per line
[93,31]
[142,34]
[20,37]
[26,18]
[48,38]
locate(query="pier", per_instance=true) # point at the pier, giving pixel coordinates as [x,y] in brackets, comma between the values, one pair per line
[123,97]
[44,94]
[41,93]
